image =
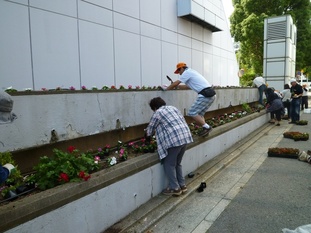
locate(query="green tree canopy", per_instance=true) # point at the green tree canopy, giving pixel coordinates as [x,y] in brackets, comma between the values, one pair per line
[247,27]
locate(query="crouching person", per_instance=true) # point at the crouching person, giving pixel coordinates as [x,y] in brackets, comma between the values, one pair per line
[5,171]
[172,135]
[275,105]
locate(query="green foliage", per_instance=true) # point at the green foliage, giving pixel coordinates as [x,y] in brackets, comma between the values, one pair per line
[246,108]
[247,26]
[144,146]
[63,167]
[15,179]
[247,80]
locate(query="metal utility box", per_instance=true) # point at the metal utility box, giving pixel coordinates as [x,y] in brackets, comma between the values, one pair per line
[279,62]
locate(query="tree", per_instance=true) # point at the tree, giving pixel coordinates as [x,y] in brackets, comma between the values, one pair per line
[247,27]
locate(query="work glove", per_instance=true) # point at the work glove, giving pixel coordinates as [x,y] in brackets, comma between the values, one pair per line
[303,156]
[163,87]
[10,167]
[147,138]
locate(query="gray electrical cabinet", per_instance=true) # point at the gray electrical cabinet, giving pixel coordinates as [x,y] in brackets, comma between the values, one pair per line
[279,60]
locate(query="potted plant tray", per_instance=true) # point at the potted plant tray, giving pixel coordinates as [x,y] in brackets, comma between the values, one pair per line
[291,153]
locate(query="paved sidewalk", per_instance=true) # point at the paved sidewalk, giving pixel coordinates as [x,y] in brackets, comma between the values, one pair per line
[246,192]
[255,193]
[277,196]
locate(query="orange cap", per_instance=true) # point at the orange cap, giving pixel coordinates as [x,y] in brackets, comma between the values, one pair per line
[178,66]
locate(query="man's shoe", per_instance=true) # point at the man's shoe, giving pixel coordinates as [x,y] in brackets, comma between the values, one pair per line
[201,187]
[205,131]
[172,192]
[184,189]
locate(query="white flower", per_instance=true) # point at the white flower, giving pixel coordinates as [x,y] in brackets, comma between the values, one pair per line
[113,161]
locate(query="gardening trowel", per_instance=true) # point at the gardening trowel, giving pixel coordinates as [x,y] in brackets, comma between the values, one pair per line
[169,79]
[163,88]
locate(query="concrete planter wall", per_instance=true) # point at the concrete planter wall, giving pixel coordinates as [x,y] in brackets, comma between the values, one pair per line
[111,194]
[75,114]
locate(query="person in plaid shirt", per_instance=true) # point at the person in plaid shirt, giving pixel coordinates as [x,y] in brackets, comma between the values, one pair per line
[172,135]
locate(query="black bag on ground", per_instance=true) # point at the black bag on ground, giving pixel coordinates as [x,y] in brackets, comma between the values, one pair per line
[208,92]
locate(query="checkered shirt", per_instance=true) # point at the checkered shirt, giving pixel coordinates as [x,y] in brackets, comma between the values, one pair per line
[170,128]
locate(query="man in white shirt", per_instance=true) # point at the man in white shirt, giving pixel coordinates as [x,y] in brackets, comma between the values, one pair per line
[206,94]
[260,83]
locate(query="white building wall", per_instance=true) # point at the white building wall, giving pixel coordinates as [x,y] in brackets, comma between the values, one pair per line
[49,44]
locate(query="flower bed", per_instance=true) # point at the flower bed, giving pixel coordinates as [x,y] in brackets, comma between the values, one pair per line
[100,190]
[297,136]
[283,152]
[73,165]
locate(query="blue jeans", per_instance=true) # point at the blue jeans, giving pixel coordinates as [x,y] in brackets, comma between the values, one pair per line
[4,173]
[262,89]
[173,168]
[295,109]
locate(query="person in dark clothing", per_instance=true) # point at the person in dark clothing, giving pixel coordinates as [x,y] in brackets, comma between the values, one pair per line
[274,105]
[296,91]
[286,99]
[5,171]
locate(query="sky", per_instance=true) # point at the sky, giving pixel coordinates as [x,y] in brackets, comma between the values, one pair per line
[228,8]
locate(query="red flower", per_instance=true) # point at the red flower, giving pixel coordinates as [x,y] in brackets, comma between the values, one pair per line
[81,174]
[87,177]
[63,177]
[70,149]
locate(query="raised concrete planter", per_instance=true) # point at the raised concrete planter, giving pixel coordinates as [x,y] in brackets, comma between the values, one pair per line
[112,194]
[76,114]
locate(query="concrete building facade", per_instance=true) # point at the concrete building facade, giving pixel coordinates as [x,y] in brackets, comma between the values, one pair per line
[50,44]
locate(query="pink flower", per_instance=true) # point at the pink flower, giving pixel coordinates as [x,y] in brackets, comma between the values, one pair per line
[121,151]
[72,88]
[97,158]
[83,87]
[129,86]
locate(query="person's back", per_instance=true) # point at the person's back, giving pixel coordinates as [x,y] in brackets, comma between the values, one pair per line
[286,95]
[258,81]
[172,127]
[194,80]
